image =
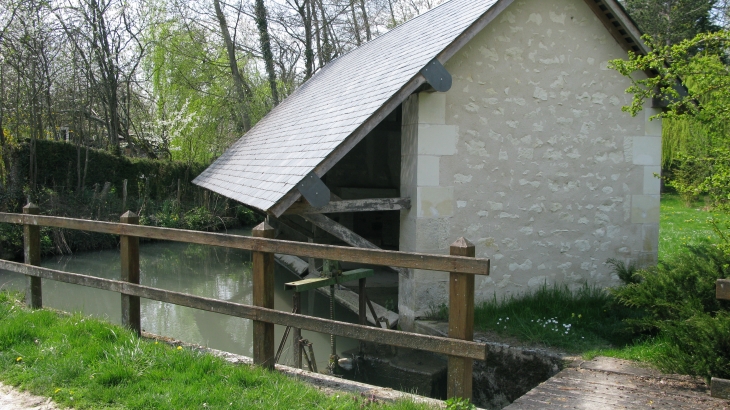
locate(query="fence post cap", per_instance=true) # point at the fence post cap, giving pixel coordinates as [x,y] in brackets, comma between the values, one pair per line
[129,217]
[462,247]
[31,208]
[462,243]
[263,230]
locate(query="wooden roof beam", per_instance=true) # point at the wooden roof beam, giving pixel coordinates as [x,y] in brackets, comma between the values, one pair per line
[355,205]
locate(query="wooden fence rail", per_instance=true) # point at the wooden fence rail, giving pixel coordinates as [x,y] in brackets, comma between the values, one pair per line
[461,264]
[444,263]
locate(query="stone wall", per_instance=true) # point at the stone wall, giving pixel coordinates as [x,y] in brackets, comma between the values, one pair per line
[530,157]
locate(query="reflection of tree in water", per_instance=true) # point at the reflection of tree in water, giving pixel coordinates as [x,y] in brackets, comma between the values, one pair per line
[218,273]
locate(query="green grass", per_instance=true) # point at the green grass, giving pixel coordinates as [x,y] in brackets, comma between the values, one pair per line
[557,317]
[681,225]
[85,363]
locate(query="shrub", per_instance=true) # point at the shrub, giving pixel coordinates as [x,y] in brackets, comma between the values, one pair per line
[678,298]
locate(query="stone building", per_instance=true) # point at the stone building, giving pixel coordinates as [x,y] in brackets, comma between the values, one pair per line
[499,121]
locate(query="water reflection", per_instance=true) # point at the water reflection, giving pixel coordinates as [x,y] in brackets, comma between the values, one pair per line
[208,271]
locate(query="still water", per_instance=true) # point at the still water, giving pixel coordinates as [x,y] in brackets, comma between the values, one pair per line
[208,271]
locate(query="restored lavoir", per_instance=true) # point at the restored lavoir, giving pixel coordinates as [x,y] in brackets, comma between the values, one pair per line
[499,121]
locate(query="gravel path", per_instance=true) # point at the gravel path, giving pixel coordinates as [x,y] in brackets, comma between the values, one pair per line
[12,399]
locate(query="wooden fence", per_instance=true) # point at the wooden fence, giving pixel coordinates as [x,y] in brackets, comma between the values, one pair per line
[462,265]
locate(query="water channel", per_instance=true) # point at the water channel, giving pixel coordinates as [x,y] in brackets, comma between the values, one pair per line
[208,271]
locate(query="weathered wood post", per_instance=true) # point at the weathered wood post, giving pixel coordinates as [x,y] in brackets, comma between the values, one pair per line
[461,322]
[32,254]
[263,296]
[124,195]
[720,388]
[297,332]
[129,247]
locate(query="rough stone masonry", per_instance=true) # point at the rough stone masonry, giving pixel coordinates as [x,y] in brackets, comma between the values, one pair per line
[530,157]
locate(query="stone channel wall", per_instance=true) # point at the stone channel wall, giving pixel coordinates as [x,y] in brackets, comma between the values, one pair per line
[530,157]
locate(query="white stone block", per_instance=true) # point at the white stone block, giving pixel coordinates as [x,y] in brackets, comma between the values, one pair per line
[652,127]
[652,184]
[428,170]
[646,150]
[431,108]
[644,209]
[435,202]
[436,139]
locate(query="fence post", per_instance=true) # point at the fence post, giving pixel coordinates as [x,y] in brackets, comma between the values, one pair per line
[32,254]
[461,322]
[263,296]
[129,248]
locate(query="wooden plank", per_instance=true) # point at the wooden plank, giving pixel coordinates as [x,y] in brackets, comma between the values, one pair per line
[344,234]
[297,332]
[461,322]
[129,250]
[442,345]
[32,255]
[339,231]
[353,205]
[290,229]
[722,289]
[444,263]
[263,296]
[314,283]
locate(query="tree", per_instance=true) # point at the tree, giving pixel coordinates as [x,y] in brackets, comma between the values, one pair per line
[671,21]
[263,26]
[239,84]
[700,64]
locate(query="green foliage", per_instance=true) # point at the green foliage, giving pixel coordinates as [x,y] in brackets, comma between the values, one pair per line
[556,316]
[437,312]
[57,169]
[678,296]
[191,89]
[84,363]
[627,273]
[697,139]
[152,193]
[457,403]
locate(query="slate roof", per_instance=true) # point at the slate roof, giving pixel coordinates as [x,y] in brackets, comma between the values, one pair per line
[301,132]
[287,144]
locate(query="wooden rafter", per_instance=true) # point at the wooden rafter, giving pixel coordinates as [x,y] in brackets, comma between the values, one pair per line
[341,232]
[355,205]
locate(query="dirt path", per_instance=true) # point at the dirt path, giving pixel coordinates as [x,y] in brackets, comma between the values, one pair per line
[12,399]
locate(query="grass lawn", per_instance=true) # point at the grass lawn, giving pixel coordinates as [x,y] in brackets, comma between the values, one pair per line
[86,363]
[590,322]
[682,225]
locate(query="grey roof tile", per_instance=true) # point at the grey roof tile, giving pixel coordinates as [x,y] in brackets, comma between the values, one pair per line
[296,136]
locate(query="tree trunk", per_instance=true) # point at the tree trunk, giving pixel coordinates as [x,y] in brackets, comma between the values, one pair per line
[326,45]
[304,13]
[263,27]
[241,117]
[365,20]
[392,14]
[313,7]
[355,26]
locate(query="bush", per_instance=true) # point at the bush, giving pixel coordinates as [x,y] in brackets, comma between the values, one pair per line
[678,298]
